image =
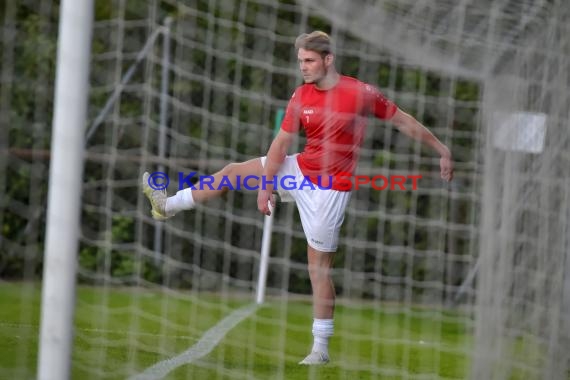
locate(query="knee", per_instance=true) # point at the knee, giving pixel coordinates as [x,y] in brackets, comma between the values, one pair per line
[230,170]
[319,273]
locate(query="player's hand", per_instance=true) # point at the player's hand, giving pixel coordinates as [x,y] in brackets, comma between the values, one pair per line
[265,197]
[446,166]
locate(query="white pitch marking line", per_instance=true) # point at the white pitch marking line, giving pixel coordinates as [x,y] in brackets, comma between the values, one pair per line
[202,348]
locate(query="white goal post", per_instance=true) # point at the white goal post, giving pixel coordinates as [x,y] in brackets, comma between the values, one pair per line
[66,179]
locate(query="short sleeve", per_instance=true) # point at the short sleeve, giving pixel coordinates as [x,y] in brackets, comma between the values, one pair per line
[292,121]
[380,106]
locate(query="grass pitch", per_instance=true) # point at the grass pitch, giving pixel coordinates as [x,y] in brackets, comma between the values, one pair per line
[121,332]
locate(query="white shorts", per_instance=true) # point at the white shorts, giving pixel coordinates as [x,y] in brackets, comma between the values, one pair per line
[321,210]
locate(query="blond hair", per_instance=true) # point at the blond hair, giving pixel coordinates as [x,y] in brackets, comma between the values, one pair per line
[316,41]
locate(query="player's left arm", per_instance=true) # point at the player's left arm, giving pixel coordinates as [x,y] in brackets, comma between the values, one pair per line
[408,125]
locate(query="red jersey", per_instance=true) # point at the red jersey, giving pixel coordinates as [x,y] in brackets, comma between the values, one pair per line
[335,122]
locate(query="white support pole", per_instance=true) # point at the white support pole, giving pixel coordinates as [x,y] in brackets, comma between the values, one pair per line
[267,232]
[142,54]
[64,198]
[264,262]
[165,74]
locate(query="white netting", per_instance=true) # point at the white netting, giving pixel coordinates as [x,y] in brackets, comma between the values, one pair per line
[442,282]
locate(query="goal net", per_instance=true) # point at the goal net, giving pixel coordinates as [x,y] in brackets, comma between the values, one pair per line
[461,280]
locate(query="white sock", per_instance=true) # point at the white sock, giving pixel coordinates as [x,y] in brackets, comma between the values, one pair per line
[182,200]
[322,330]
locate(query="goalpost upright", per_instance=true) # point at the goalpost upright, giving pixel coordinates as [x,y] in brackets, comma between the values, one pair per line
[65,181]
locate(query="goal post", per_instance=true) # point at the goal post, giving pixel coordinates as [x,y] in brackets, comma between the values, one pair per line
[65,183]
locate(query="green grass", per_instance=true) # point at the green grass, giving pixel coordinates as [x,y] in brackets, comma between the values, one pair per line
[120,332]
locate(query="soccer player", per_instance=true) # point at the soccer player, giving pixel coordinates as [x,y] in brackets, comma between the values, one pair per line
[332,109]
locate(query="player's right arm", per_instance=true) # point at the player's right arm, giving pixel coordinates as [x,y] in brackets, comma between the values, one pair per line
[275,157]
[278,151]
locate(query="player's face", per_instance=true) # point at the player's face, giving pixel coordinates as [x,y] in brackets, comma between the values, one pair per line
[312,65]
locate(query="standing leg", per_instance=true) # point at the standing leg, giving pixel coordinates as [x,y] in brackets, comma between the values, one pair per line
[320,264]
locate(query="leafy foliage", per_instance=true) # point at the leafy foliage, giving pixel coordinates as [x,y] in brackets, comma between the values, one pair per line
[34,71]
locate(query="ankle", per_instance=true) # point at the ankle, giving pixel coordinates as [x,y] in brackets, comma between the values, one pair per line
[182,200]
[323,329]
